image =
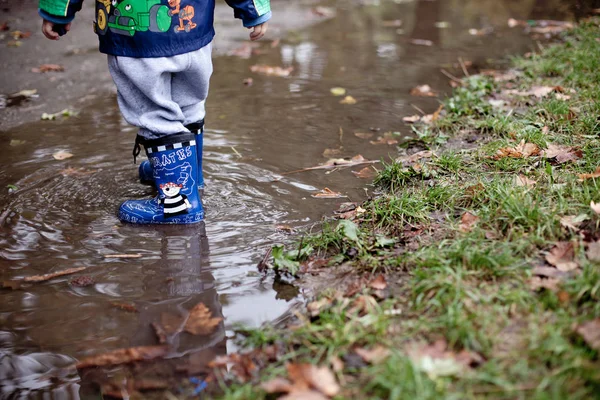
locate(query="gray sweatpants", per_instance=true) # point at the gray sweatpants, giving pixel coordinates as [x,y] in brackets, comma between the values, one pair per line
[162,95]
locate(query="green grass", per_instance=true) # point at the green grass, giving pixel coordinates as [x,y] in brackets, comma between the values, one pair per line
[471,286]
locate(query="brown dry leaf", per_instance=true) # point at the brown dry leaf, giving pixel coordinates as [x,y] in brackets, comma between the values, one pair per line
[562,256]
[314,307]
[327,194]
[415,157]
[82,281]
[20,35]
[436,360]
[378,283]
[123,356]
[277,385]
[47,277]
[423,91]
[272,71]
[562,154]
[384,140]
[201,321]
[547,272]
[522,180]
[348,100]
[305,376]
[62,155]
[595,207]
[536,283]
[337,364]
[421,42]
[431,118]
[560,96]
[304,395]
[522,150]
[590,332]
[501,76]
[572,221]
[593,175]
[364,135]
[365,173]
[285,228]
[374,355]
[593,251]
[412,119]
[48,68]
[468,222]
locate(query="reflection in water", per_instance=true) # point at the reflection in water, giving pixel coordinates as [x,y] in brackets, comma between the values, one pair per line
[62,213]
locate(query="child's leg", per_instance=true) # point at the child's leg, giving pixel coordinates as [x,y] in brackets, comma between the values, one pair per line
[145,97]
[190,89]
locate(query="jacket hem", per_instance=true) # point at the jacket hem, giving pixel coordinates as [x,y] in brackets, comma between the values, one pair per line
[156,52]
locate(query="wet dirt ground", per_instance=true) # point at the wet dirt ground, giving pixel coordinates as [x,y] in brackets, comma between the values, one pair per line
[62,214]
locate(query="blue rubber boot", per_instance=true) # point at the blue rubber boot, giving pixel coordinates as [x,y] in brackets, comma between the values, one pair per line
[197,128]
[174,165]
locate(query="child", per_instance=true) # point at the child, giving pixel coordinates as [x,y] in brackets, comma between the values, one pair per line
[159,55]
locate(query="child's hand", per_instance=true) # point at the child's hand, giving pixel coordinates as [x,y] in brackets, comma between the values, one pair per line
[258,31]
[48,29]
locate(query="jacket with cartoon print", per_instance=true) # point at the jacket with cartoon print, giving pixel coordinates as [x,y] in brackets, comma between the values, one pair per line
[154,28]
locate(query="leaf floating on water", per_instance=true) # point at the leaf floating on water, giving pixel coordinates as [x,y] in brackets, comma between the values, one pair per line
[364,135]
[62,155]
[348,100]
[272,71]
[136,255]
[125,307]
[332,152]
[338,91]
[327,194]
[423,91]
[412,119]
[47,277]
[124,356]
[201,321]
[365,173]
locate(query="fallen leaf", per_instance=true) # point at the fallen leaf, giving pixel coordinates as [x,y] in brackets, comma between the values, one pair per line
[272,71]
[348,100]
[314,307]
[201,321]
[593,175]
[590,332]
[384,140]
[16,142]
[421,42]
[522,180]
[136,255]
[305,376]
[573,221]
[277,385]
[593,251]
[327,194]
[436,360]
[332,152]
[536,283]
[547,272]
[123,356]
[82,281]
[373,356]
[338,91]
[468,222]
[47,277]
[595,207]
[285,228]
[562,256]
[415,157]
[378,283]
[562,154]
[501,76]
[20,35]
[364,135]
[48,68]
[365,173]
[412,119]
[522,150]
[560,96]
[431,118]
[423,91]
[536,91]
[62,155]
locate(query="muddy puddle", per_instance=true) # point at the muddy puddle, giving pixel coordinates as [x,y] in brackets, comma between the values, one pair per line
[62,214]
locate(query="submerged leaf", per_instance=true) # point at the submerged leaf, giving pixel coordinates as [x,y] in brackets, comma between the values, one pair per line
[201,321]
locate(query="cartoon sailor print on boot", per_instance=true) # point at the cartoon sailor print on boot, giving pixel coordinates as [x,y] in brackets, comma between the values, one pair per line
[174,203]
